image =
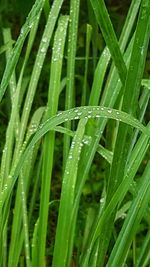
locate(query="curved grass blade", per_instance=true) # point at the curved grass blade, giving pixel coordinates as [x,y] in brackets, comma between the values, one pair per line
[73,114]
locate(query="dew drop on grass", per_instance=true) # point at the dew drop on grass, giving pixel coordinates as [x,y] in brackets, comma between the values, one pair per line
[31,25]
[102,200]
[109,111]
[43,50]
[44,40]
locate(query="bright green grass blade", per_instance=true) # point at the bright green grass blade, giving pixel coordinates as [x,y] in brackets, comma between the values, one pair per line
[135,214]
[129,23]
[87,50]
[33,15]
[95,40]
[49,141]
[46,37]
[109,36]
[105,153]
[67,199]
[99,75]
[72,44]
[8,39]
[73,114]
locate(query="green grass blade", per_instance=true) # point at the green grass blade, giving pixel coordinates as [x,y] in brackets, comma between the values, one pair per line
[67,199]
[72,44]
[99,75]
[33,15]
[109,36]
[119,253]
[49,141]
[87,50]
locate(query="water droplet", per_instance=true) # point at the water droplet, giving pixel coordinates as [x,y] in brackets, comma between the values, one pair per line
[44,40]
[102,200]
[43,50]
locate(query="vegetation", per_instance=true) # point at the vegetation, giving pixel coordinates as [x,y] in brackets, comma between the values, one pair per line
[75,131]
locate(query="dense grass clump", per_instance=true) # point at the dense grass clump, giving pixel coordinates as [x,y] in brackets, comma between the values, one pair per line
[74,176]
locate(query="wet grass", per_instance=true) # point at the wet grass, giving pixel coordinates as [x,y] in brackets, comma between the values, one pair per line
[74,177]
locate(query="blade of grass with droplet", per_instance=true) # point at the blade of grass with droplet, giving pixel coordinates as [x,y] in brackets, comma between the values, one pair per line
[34,13]
[49,141]
[72,44]
[73,114]
[67,199]
[105,153]
[46,37]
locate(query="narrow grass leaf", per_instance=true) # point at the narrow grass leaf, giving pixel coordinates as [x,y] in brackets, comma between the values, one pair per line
[49,141]
[72,44]
[34,13]
[109,36]
[67,198]
[119,253]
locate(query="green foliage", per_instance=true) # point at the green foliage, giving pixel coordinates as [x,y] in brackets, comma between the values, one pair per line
[74,176]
